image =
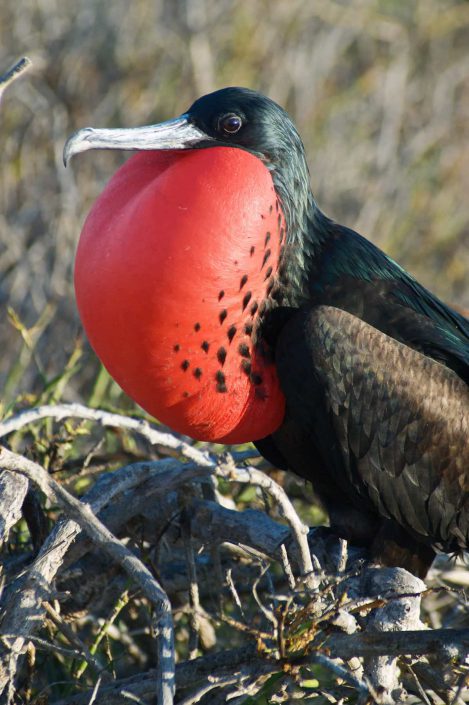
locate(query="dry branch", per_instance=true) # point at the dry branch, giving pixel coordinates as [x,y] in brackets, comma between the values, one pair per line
[249,475]
[13,490]
[402,613]
[444,643]
[343,646]
[13,73]
[82,514]
[105,418]
[23,603]
[150,490]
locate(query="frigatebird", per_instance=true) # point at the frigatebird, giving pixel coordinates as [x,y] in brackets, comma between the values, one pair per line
[223,300]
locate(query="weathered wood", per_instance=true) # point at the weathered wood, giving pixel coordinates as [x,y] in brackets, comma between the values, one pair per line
[13,489]
[149,490]
[13,73]
[441,642]
[344,646]
[398,614]
[23,611]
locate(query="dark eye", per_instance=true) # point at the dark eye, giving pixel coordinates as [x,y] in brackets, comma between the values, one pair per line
[230,124]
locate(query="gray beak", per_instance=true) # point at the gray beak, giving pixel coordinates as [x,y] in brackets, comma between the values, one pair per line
[179,133]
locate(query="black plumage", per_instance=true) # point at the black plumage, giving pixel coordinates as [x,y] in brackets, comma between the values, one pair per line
[388,429]
[375,369]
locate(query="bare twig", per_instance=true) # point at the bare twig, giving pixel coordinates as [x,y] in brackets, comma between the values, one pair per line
[267,612]
[419,686]
[234,592]
[8,639]
[85,654]
[13,490]
[411,643]
[287,567]
[194,600]
[341,672]
[13,73]
[343,556]
[94,694]
[105,418]
[213,682]
[229,471]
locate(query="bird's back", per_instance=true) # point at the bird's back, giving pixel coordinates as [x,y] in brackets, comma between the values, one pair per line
[354,275]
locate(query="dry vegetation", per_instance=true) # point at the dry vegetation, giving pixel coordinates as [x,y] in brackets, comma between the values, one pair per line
[380,92]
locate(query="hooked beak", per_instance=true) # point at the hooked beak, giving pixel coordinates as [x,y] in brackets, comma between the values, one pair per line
[178,133]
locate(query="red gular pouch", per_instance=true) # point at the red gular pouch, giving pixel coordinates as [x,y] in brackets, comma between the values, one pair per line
[174,262]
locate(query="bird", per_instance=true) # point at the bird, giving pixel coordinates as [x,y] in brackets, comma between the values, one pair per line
[230,307]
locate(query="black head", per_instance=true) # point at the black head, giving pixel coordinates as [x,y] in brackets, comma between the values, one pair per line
[243,118]
[235,117]
[240,118]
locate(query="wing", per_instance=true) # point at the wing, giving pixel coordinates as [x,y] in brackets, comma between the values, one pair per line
[357,277]
[389,424]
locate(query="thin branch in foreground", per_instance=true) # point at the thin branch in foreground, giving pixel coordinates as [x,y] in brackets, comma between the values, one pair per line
[62,626]
[23,612]
[418,685]
[267,612]
[213,682]
[227,469]
[8,639]
[341,672]
[234,592]
[194,600]
[446,643]
[94,694]
[287,567]
[105,418]
[13,73]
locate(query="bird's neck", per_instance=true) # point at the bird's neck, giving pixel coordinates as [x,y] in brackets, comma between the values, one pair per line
[308,230]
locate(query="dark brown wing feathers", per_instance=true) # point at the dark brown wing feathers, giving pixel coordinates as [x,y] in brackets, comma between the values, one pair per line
[401,421]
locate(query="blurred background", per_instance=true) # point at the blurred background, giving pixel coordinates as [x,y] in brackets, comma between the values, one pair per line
[378,88]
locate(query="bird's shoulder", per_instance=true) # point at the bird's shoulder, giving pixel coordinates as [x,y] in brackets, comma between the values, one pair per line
[354,275]
[390,422]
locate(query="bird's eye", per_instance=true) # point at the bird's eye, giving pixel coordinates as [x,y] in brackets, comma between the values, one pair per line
[230,124]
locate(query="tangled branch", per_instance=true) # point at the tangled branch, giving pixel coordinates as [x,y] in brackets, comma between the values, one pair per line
[333,612]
